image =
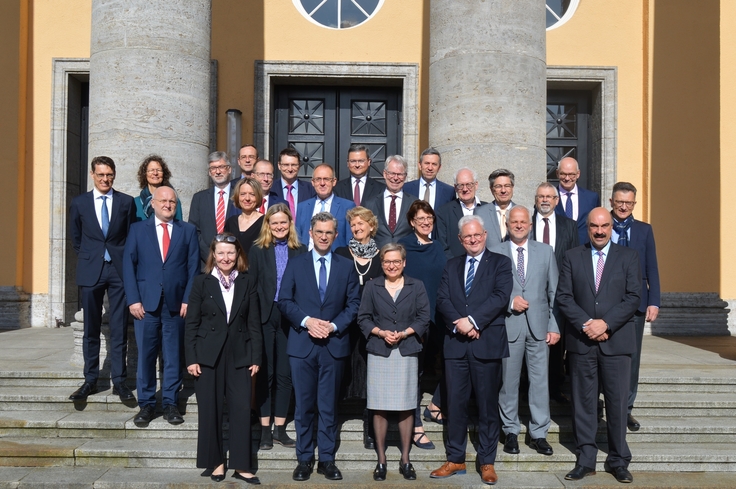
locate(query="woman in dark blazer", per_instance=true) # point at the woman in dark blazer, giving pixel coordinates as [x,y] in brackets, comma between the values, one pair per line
[275,246]
[393,316]
[223,344]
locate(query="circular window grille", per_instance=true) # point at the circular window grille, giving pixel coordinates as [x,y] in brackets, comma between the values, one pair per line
[559,12]
[338,14]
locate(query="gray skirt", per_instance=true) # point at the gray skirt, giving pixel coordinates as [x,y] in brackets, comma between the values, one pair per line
[393,381]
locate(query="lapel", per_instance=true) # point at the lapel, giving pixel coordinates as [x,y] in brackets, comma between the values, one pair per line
[213,289]
[116,203]
[331,280]
[90,196]
[381,210]
[514,265]
[175,237]
[151,232]
[611,259]
[405,291]
[312,284]
[238,295]
[269,256]
[586,256]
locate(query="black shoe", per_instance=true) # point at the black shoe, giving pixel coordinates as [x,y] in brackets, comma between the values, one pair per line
[560,398]
[541,446]
[433,415]
[632,423]
[512,444]
[280,437]
[218,477]
[302,471]
[266,438]
[368,442]
[407,470]
[144,416]
[578,473]
[621,473]
[329,470]
[250,480]
[172,414]
[123,391]
[379,474]
[206,472]
[81,394]
[600,409]
[424,445]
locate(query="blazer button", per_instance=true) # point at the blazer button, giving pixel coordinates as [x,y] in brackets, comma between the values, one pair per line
[213,313]
[394,322]
[213,329]
[240,330]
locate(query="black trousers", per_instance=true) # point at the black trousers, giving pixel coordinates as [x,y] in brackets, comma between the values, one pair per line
[273,381]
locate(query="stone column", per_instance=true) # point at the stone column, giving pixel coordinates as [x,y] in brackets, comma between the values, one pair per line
[150,88]
[487,89]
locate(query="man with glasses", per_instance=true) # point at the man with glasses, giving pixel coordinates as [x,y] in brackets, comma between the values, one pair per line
[359,187]
[391,206]
[98,223]
[501,182]
[575,201]
[427,186]
[247,158]
[160,262]
[263,173]
[211,207]
[323,181]
[466,186]
[294,191]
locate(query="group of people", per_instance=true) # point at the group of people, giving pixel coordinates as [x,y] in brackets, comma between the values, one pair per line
[349,288]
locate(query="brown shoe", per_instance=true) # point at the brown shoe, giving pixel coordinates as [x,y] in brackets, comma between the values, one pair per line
[448,469]
[488,474]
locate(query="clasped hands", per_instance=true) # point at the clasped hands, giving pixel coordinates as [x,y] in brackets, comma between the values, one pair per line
[596,330]
[466,328]
[390,337]
[195,370]
[318,328]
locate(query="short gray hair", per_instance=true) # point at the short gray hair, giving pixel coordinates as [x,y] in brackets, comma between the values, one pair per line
[548,185]
[399,159]
[475,175]
[389,247]
[323,217]
[217,156]
[467,220]
[431,151]
[520,207]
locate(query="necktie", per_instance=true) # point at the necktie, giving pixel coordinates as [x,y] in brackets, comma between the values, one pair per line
[290,199]
[262,209]
[520,265]
[356,192]
[322,279]
[220,213]
[166,240]
[471,276]
[568,205]
[599,270]
[502,222]
[105,214]
[426,193]
[322,203]
[545,233]
[392,215]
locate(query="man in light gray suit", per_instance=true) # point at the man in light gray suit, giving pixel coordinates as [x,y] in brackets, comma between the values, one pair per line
[530,328]
[493,214]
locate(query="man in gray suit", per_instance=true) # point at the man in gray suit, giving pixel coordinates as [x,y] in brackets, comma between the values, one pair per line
[530,327]
[494,214]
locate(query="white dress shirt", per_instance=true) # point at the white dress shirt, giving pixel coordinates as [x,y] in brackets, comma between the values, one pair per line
[564,194]
[227,295]
[98,204]
[432,190]
[160,234]
[387,204]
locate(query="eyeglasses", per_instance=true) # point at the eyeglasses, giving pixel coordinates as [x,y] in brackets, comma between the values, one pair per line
[154,171]
[424,219]
[567,175]
[103,176]
[624,203]
[357,162]
[225,238]
[247,157]
[264,176]
[546,197]
[394,263]
[391,174]
[507,186]
[322,180]
[289,165]
[218,169]
[320,233]
[472,237]
[461,186]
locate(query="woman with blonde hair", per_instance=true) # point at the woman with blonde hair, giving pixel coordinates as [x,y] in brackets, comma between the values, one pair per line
[246,226]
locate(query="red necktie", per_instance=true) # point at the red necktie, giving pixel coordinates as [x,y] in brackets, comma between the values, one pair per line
[545,233]
[356,192]
[220,213]
[262,210]
[292,207]
[166,240]
[392,215]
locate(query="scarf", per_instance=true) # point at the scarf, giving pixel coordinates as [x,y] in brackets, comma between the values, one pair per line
[146,201]
[622,228]
[361,250]
[227,282]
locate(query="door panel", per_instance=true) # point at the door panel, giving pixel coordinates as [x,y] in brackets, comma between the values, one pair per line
[568,120]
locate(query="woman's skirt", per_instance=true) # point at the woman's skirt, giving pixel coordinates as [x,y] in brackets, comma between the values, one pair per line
[392,381]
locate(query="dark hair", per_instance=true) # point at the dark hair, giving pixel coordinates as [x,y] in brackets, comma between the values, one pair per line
[416,206]
[501,172]
[142,177]
[356,147]
[623,187]
[102,160]
[241,264]
[290,152]
[431,151]
[248,145]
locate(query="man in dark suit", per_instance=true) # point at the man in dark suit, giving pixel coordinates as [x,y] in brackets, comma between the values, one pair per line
[427,187]
[160,262]
[323,179]
[638,235]
[391,206]
[247,157]
[320,310]
[263,173]
[466,185]
[473,300]
[493,214]
[99,222]
[293,190]
[575,202]
[599,291]
[211,207]
[561,234]
[359,162]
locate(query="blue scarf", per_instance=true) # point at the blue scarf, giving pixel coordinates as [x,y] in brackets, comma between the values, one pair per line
[622,228]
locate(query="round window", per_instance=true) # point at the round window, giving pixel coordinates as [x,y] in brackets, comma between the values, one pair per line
[338,14]
[559,12]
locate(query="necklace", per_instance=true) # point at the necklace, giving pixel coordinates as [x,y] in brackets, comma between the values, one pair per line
[399,283]
[361,274]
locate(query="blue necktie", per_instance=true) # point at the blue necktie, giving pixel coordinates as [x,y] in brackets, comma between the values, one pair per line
[568,205]
[322,279]
[322,203]
[105,223]
[471,276]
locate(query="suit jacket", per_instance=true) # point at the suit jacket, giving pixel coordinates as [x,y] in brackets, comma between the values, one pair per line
[338,209]
[539,290]
[202,215]
[566,235]
[207,326]
[489,215]
[587,201]
[88,241]
[342,299]
[344,190]
[262,266]
[146,277]
[446,227]
[444,193]
[275,198]
[487,302]
[617,299]
[642,240]
[378,309]
[384,234]
[304,189]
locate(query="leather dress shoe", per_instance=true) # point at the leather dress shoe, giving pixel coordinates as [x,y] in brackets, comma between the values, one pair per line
[541,446]
[206,472]
[144,416]
[250,480]
[578,473]
[407,470]
[87,389]
[512,444]
[172,414]
[448,469]
[621,473]
[123,391]
[488,474]
[379,473]
[329,470]
[632,423]
[302,471]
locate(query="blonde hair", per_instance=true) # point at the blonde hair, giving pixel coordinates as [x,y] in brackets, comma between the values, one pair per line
[266,239]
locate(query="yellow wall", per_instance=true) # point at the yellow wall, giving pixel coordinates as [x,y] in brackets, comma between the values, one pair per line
[728,146]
